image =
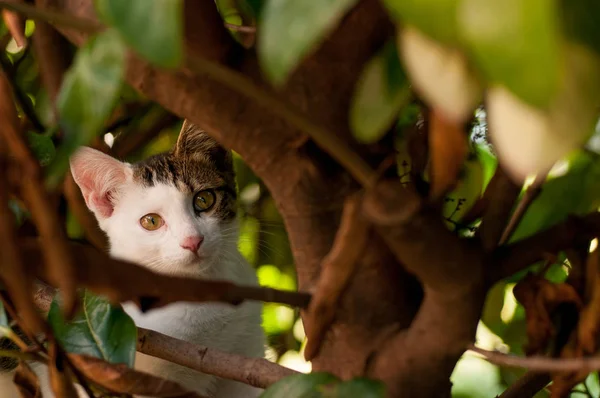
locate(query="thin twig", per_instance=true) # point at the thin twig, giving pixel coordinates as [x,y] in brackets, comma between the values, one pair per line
[515,257]
[20,97]
[336,269]
[240,28]
[12,272]
[257,372]
[539,363]
[530,194]
[17,354]
[527,386]
[499,200]
[58,259]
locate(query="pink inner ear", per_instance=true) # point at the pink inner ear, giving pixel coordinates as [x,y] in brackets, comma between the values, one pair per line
[101,203]
[99,177]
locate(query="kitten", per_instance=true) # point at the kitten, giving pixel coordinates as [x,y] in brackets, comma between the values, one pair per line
[175,213]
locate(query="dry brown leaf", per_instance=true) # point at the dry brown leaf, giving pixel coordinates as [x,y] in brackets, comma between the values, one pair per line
[448,149]
[27,381]
[540,297]
[118,378]
[585,340]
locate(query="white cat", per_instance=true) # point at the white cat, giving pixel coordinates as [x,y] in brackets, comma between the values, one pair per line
[175,213]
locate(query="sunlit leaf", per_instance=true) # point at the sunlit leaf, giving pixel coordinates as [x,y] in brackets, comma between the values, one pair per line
[529,139]
[436,18]
[42,147]
[87,96]
[488,161]
[380,93]
[290,29]
[155,31]
[494,302]
[99,329]
[467,191]
[516,43]
[300,385]
[575,193]
[440,74]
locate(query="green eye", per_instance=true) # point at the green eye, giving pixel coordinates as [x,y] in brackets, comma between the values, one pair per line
[151,222]
[204,200]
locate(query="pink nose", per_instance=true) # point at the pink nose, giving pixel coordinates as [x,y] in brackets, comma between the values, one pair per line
[192,243]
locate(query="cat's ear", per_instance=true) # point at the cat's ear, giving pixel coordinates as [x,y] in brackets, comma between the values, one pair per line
[100,177]
[195,143]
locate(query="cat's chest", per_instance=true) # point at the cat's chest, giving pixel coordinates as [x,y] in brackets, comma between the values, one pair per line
[187,321]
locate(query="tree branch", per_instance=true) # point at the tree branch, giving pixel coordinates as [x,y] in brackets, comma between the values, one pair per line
[531,193]
[60,266]
[338,266]
[122,281]
[510,259]
[527,386]
[209,39]
[499,197]
[257,372]
[540,363]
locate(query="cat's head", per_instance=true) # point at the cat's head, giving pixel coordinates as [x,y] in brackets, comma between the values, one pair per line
[174,212]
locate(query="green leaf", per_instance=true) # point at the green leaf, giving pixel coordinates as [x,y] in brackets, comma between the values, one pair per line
[42,147]
[516,43]
[99,329]
[580,20]
[299,385]
[87,96]
[155,31]
[494,302]
[489,162]
[435,18]
[381,92]
[467,191]
[575,193]
[290,29]
[356,388]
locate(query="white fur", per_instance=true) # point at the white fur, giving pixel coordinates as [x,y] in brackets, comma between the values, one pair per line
[232,329]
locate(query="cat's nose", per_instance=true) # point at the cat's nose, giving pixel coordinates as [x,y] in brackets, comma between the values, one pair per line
[192,243]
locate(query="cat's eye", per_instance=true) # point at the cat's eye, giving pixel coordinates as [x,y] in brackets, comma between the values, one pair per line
[151,222]
[204,200]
